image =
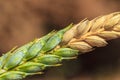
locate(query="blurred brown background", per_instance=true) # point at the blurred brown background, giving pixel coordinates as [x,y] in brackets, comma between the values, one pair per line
[24,20]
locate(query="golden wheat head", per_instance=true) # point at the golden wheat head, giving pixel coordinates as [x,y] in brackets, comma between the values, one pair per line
[86,35]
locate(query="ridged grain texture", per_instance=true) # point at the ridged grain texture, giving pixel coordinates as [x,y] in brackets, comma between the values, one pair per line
[89,34]
[50,50]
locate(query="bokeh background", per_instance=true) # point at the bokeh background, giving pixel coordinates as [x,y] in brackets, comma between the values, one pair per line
[22,21]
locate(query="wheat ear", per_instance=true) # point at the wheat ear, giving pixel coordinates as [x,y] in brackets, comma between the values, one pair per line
[51,49]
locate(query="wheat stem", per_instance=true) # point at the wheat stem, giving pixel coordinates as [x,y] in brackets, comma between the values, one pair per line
[51,49]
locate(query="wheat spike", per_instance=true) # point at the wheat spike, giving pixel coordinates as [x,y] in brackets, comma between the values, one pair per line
[51,49]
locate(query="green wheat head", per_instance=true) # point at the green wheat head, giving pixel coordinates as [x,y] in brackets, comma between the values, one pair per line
[52,49]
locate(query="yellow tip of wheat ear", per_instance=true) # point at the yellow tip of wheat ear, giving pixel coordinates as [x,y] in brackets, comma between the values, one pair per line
[50,50]
[88,34]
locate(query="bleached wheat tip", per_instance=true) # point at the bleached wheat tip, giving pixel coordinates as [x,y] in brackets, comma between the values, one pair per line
[93,33]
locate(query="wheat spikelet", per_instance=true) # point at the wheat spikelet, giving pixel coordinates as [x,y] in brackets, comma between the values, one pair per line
[89,34]
[51,49]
